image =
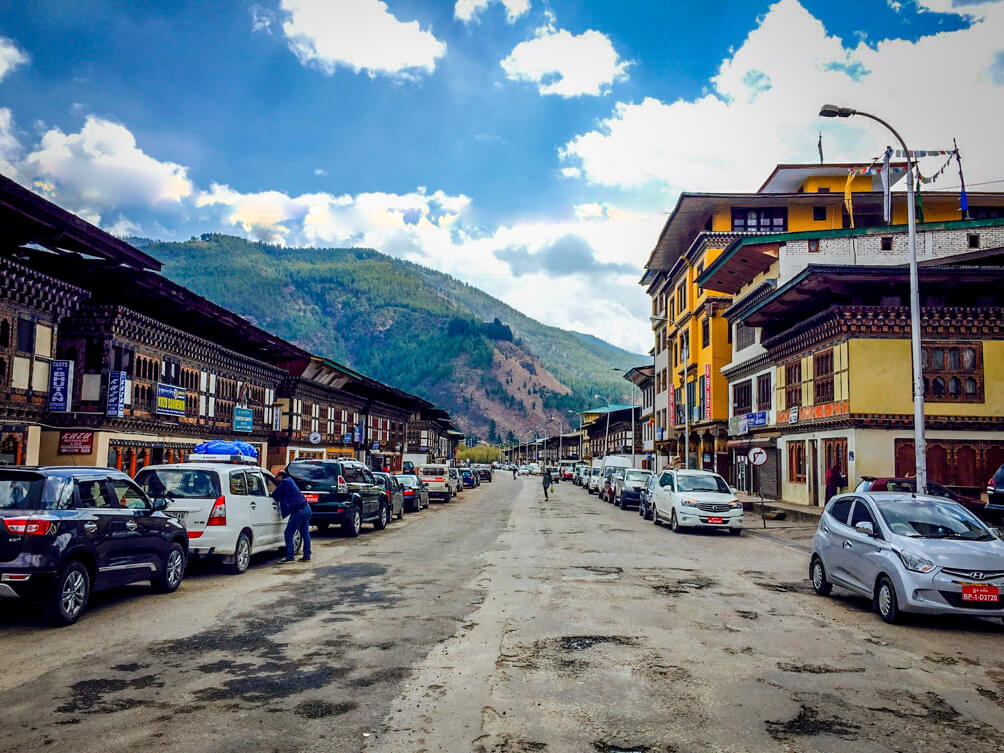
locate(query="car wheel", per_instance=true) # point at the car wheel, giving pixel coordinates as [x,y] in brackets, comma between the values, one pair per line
[736,531]
[242,554]
[355,525]
[68,595]
[400,513]
[381,522]
[297,543]
[886,602]
[674,524]
[174,570]
[655,516]
[817,574]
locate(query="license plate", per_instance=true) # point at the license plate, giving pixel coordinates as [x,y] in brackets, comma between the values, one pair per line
[981,593]
[178,515]
[716,520]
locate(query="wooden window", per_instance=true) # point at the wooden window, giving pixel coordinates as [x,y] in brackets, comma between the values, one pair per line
[835,453]
[814,245]
[953,372]
[25,336]
[819,214]
[793,384]
[742,397]
[681,297]
[763,392]
[706,332]
[4,334]
[745,336]
[822,376]
[774,220]
[796,462]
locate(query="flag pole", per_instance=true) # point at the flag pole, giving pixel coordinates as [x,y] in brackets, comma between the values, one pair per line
[963,199]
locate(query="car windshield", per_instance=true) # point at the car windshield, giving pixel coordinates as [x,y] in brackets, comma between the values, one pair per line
[931,519]
[314,471]
[21,491]
[637,475]
[179,483]
[701,483]
[408,480]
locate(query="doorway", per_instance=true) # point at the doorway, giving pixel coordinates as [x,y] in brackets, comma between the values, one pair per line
[813,471]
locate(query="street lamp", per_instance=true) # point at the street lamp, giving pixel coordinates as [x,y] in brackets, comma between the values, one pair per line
[920,440]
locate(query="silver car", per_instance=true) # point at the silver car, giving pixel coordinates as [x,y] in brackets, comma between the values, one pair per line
[909,553]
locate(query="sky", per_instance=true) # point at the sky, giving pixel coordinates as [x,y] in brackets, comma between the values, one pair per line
[532,148]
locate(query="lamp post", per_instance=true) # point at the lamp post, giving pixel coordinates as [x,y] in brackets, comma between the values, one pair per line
[920,440]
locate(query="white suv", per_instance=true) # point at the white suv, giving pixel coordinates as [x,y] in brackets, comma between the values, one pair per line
[437,478]
[225,504]
[696,499]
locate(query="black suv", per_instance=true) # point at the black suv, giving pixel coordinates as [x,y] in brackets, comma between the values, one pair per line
[485,472]
[341,492]
[66,532]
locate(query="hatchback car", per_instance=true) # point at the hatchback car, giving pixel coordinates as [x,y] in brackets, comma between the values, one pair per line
[628,487]
[484,472]
[69,531]
[696,499]
[416,496]
[437,478]
[593,481]
[342,493]
[908,553]
[645,497]
[394,492]
[868,484]
[467,478]
[609,482]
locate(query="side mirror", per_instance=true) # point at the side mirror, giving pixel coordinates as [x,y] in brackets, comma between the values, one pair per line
[866,528]
[159,504]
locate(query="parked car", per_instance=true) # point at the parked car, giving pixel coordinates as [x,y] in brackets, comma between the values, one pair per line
[593,483]
[534,469]
[342,493]
[455,483]
[70,531]
[908,553]
[524,470]
[628,486]
[645,504]
[467,478]
[484,472]
[566,471]
[995,496]
[609,477]
[437,479]
[696,499]
[394,492]
[416,496]
[224,503]
[869,484]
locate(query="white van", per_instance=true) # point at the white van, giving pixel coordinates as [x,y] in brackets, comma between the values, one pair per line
[437,479]
[614,461]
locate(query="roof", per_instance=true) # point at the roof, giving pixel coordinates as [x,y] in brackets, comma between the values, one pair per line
[638,375]
[606,409]
[789,178]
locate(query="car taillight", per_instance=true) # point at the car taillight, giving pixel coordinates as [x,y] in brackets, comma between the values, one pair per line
[218,515]
[991,485]
[342,486]
[438,478]
[194,534]
[27,526]
[409,492]
[310,497]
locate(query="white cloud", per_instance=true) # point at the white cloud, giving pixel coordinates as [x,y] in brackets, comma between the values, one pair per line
[469,10]
[362,35]
[562,63]
[320,171]
[763,103]
[100,167]
[10,57]
[10,147]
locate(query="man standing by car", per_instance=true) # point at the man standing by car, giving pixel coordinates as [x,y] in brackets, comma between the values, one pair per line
[293,504]
[834,480]
[547,481]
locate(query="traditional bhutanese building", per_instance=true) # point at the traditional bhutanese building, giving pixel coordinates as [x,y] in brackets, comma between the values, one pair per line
[820,372]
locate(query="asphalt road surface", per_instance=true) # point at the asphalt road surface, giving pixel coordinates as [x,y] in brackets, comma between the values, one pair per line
[500,623]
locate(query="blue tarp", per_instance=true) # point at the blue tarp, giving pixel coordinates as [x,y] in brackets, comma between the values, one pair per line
[221,447]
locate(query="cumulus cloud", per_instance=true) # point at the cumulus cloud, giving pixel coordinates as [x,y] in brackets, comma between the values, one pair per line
[10,147]
[567,256]
[762,105]
[11,56]
[561,63]
[362,35]
[469,10]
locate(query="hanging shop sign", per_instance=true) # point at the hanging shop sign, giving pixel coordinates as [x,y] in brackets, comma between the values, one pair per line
[76,442]
[115,406]
[243,419]
[707,390]
[60,386]
[171,400]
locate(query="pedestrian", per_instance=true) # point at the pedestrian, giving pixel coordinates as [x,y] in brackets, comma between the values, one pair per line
[293,504]
[547,481]
[515,471]
[834,481]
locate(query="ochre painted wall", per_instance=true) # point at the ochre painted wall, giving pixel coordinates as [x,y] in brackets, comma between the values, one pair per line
[836,184]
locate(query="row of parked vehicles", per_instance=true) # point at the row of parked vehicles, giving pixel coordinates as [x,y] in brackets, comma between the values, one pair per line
[939,553]
[66,532]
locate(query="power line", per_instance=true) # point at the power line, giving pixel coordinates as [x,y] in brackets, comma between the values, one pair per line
[950,188]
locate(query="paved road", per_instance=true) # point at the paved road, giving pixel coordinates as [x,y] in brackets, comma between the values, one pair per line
[498,624]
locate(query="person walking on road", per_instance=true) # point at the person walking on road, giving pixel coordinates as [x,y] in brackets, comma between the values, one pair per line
[547,481]
[293,504]
[515,471]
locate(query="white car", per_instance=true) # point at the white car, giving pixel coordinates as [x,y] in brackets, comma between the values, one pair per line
[456,485]
[593,480]
[524,470]
[696,499]
[436,478]
[534,469]
[225,505]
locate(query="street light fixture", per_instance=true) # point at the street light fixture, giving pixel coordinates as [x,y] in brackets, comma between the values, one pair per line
[920,440]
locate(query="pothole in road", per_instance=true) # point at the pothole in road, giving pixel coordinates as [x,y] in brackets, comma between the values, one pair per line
[604,747]
[786,587]
[808,723]
[816,669]
[580,642]
[318,709]
[684,585]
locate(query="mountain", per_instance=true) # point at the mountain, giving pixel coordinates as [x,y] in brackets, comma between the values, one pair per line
[498,371]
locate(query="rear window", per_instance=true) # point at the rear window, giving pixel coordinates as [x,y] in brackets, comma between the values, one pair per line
[637,475]
[408,480]
[433,470]
[314,471]
[179,483]
[21,491]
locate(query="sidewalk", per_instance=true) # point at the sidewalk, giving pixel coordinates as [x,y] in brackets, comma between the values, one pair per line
[792,511]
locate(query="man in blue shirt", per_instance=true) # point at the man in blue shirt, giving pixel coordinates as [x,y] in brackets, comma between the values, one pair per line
[293,504]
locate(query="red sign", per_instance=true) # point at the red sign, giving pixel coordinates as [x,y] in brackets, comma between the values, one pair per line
[76,442]
[672,405]
[707,390]
[981,593]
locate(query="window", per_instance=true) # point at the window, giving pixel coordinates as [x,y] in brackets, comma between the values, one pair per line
[814,245]
[840,509]
[94,354]
[861,514]
[742,396]
[128,494]
[822,371]
[25,336]
[238,483]
[793,384]
[835,454]
[706,332]
[973,240]
[885,244]
[760,220]
[953,372]
[681,297]
[763,392]
[745,336]
[256,486]
[92,493]
[796,462]
[819,214]
[4,334]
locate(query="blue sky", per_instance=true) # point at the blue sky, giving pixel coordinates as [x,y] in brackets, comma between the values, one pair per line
[469,136]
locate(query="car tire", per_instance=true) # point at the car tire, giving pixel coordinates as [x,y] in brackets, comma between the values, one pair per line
[655,516]
[67,595]
[736,531]
[886,601]
[352,527]
[817,575]
[297,543]
[400,513]
[174,570]
[242,554]
[674,524]
[382,519]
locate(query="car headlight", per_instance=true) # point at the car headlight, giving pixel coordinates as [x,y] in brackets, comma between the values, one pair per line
[736,504]
[688,502]
[915,563]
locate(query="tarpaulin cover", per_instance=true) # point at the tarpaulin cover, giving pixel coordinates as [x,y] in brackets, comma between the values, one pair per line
[221,447]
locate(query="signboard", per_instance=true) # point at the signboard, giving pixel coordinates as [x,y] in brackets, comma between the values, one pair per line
[758,456]
[793,415]
[116,394]
[347,439]
[707,390]
[357,434]
[376,447]
[314,437]
[707,457]
[672,406]
[60,386]
[757,419]
[76,442]
[743,425]
[243,419]
[171,400]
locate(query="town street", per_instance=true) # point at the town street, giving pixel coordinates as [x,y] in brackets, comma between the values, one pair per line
[500,622]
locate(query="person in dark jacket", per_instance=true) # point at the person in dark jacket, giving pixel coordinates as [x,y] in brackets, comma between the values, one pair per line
[834,480]
[547,481]
[293,504]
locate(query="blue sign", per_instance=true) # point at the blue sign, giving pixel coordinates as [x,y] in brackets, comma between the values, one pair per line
[116,394]
[756,419]
[376,447]
[171,400]
[347,438]
[60,386]
[358,434]
[243,419]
